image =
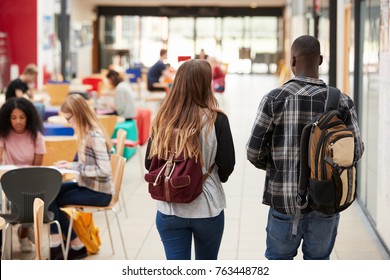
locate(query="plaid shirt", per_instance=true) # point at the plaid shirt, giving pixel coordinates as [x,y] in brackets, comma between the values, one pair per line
[94,163]
[274,144]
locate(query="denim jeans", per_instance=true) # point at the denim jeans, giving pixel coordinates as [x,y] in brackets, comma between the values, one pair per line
[318,232]
[176,234]
[40,109]
[72,193]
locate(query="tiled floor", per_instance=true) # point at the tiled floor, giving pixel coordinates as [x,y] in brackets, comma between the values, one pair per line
[244,236]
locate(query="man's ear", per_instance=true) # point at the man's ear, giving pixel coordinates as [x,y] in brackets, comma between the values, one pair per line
[321,59]
[293,61]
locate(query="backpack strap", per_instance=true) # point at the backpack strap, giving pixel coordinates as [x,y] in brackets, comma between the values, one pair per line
[333,99]
[302,200]
[331,103]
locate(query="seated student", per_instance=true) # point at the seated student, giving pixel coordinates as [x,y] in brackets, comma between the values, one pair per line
[21,143]
[158,72]
[94,186]
[124,103]
[218,75]
[23,87]
[201,55]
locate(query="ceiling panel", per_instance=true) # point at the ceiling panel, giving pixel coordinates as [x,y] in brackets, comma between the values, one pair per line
[220,3]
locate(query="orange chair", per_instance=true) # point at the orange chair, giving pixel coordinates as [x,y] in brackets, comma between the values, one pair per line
[143,126]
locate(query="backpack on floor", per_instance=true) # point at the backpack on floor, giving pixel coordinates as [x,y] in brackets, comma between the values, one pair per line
[85,229]
[327,181]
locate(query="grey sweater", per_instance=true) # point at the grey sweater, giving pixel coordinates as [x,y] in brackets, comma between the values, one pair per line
[124,102]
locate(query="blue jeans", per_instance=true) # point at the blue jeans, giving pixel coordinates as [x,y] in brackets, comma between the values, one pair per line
[40,109]
[318,232]
[176,234]
[72,193]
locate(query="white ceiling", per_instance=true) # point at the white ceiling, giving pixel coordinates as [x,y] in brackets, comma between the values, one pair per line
[219,3]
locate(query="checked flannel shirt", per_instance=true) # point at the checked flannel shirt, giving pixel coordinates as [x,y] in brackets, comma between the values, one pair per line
[274,143]
[94,163]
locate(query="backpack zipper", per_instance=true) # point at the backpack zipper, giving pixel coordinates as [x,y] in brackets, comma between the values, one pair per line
[318,151]
[325,120]
[321,123]
[324,173]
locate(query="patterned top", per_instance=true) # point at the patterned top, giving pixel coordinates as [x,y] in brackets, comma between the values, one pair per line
[94,163]
[274,144]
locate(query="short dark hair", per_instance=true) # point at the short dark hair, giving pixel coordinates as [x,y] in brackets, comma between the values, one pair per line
[306,45]
[163,52]
[114,77]
[33,124]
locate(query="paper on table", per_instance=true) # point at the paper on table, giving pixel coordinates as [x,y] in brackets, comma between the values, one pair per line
[65,170]
[8,167]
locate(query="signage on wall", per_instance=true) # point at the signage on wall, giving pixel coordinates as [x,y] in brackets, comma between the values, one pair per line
[47,32]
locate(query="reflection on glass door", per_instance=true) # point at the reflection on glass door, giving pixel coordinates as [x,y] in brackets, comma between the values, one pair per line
[153,38]
[224,38]
[180,39]
[208,36]
[368,193]
[232,41]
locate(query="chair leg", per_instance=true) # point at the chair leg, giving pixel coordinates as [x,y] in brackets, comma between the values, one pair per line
[109,233]
[6,248]
[60,232]
[69,234]
[120,231]
[123,204]
[141,161]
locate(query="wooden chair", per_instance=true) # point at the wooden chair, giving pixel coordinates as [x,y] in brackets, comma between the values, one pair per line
[118,166]
[3,225]
[38,226]
[119,142]
[143,126]
[59,148]
[57,93]
[109,122]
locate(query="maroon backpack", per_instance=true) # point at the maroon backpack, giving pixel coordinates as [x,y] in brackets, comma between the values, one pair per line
[176,179]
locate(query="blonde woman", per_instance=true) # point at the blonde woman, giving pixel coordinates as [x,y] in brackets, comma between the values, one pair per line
[202,130]
[94,186]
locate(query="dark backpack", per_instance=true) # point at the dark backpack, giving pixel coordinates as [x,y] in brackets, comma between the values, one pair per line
[327,181]
[176,179]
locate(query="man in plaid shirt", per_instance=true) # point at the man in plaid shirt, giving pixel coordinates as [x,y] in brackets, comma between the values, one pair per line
[274,146]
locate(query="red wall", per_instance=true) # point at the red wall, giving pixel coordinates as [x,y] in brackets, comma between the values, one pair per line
[18,18]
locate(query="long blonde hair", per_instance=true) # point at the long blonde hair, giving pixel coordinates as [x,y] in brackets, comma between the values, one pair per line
[178,123]
[84,118]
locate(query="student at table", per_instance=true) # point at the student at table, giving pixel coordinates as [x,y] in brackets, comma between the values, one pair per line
[158,72]
[21,143]
[124,104]
[94,186]
[23,87]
